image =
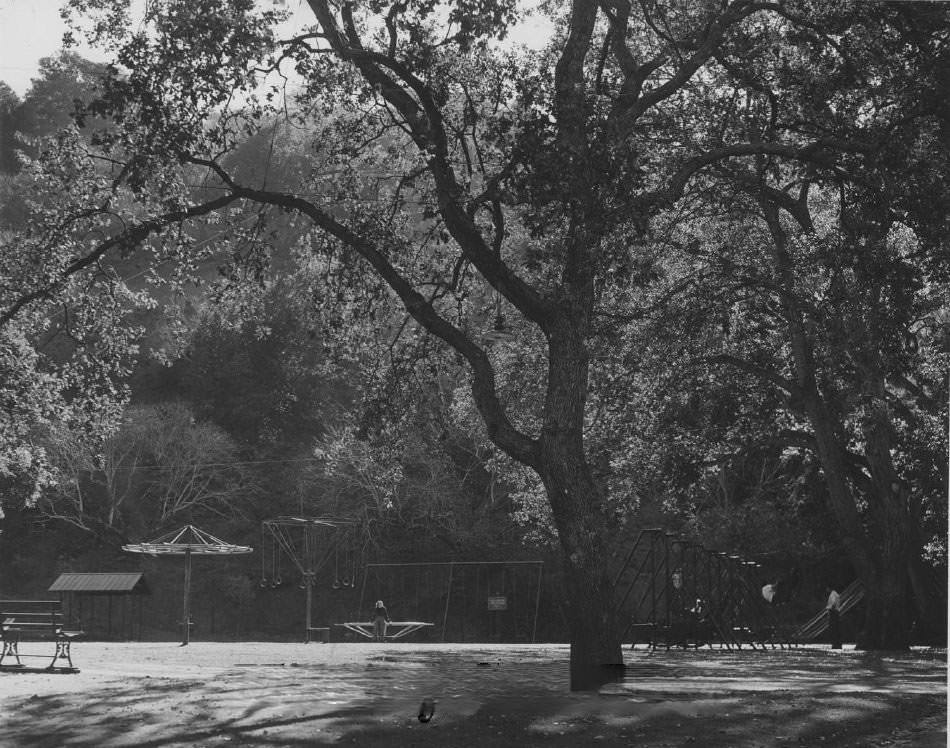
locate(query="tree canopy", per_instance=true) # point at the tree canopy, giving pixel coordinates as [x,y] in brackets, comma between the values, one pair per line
[667,190]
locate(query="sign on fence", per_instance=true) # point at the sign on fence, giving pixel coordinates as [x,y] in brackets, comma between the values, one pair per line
[498,602]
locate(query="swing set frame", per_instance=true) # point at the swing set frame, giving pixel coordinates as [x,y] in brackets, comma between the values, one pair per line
[457,582]
[310,543]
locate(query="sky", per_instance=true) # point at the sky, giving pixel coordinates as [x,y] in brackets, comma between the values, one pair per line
[29,31]
[33,29]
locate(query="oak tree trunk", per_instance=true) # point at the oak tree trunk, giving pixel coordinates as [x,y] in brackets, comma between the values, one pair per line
[578,503]
[882,540]
[893,524]
[596,647]
[886,620]
[596,627]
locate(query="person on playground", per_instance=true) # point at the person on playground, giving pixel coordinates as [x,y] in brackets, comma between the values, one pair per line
[833,606]
[380,619]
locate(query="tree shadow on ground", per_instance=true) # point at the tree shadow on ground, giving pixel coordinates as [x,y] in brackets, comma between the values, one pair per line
[747,720]
[486,700]
[795,670]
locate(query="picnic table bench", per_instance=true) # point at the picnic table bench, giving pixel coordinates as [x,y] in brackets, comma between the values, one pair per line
[399,629]
[31,621]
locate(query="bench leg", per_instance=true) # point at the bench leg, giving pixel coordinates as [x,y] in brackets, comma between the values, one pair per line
[10,649]
[62,653]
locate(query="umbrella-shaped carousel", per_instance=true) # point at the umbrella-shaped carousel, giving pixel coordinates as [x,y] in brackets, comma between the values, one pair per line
[188,541]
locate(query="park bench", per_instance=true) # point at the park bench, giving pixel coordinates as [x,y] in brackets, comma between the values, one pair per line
[642,633]
[34,621]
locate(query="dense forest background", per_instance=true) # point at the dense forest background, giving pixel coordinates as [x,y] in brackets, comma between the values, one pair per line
[266,383]
[233,419]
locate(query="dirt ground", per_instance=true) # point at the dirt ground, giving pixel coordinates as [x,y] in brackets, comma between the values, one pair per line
[267,694]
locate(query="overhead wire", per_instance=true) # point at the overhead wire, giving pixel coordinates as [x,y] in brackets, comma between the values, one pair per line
[230,463]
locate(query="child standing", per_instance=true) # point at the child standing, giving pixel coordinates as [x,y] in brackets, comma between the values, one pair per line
[380,619]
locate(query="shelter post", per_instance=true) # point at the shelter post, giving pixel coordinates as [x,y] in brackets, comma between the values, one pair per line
[186,622]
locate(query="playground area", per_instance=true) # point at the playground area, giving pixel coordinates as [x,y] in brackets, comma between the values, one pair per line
[367,694]
[673,592]
[711,660]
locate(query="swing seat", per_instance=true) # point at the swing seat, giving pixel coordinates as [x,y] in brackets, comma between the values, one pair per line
[318,634]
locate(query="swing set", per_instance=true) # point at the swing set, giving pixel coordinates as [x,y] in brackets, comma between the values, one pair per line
[312,544]
[466,601]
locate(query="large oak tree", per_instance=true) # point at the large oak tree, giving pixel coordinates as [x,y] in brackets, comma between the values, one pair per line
[473,183]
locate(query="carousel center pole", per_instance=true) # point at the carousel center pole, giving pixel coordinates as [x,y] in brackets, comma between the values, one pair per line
[309,582]
[186,619]
[184,542]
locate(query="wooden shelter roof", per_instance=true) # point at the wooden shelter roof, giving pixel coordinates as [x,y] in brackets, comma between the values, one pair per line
[99,582]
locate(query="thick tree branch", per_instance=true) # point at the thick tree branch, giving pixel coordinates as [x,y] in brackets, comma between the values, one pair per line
[760,372]
[821,152]
[660,303]
[857,465]
[616,36]
[569,84]
[705,45]
[520,446]
[428,133]
[131,236]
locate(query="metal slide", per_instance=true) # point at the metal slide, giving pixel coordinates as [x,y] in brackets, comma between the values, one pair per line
[816,626]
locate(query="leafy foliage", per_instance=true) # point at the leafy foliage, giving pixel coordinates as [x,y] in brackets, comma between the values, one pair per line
[666,190]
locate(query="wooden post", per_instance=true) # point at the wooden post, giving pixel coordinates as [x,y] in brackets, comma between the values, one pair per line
[309,576]
[537,605]
[655,565]
[448,596]
[186,620]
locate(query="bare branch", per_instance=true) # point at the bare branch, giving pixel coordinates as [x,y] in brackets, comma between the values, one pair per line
[760,372]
